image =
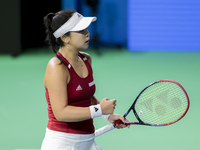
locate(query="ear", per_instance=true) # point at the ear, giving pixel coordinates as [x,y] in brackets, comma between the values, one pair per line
[65,39]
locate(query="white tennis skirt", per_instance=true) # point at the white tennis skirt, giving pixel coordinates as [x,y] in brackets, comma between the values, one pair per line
[55,140]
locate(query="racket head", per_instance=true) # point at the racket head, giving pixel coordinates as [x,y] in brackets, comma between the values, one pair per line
[161,103]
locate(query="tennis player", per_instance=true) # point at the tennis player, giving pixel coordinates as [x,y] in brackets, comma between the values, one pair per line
[70,87]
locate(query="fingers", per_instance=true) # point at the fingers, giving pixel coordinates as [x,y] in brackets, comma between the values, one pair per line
[114,102]
[122,125]
[125,120]
[107,106]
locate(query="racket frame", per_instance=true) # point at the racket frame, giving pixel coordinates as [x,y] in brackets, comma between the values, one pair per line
[140,122]
[112,126]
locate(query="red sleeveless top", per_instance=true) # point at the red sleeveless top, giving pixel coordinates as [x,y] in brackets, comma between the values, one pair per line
[79,91]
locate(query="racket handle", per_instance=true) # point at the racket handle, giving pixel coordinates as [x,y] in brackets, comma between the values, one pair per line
[104,130]
[119,122]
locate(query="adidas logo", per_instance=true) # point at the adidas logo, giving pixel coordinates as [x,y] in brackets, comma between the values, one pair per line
[79,88]
[96,109]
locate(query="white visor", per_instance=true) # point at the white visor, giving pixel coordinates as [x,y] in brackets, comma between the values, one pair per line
[76,23]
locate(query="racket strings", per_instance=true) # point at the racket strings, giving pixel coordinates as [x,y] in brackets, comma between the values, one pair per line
[161,103]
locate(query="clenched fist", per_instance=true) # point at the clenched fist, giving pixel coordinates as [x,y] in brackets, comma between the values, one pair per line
[107,106]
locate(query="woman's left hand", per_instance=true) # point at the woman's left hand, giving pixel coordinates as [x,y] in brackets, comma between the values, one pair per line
[114,117]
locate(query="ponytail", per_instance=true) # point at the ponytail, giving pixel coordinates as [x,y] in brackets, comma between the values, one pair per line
[50,39]
[52,22]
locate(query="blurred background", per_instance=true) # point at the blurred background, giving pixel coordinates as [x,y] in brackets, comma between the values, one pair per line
[133,43]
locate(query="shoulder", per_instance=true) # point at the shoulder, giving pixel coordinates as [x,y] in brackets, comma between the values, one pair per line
[87,56]
[55,64]
[55,71]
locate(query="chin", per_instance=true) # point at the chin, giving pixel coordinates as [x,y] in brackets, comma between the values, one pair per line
[86,47]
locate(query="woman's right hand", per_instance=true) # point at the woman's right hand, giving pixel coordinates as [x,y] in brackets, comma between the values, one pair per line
[107,106]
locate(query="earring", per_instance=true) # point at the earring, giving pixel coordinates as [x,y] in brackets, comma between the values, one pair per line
[68,47]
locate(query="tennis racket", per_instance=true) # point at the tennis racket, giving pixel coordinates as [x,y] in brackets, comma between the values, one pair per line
[161,103]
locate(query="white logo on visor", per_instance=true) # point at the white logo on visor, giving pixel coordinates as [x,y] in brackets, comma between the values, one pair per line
[79,15]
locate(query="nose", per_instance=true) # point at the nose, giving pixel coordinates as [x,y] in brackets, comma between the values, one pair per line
[87,33]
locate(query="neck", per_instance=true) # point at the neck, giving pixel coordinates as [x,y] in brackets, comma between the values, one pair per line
[71,56]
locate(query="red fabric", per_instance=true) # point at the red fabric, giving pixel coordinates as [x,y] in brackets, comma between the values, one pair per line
[79,91]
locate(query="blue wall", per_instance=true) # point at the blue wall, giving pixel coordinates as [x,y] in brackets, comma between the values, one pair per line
[68,4]
[147,25]
[164,25]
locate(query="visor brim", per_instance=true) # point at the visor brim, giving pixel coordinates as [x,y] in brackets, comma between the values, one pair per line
[84,23]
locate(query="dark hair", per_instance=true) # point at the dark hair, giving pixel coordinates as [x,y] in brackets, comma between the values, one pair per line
[52,22]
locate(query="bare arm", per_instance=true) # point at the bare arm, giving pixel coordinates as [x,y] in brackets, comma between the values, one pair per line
[56,79]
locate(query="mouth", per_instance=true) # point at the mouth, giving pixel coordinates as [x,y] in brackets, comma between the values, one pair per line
[87,41]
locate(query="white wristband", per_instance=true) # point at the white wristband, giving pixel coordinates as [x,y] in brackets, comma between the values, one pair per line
[105,117]
[95,111]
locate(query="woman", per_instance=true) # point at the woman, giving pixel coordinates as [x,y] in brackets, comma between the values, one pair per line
[70,87]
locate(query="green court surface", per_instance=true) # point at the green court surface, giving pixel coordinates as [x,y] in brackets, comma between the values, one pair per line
[118,74]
